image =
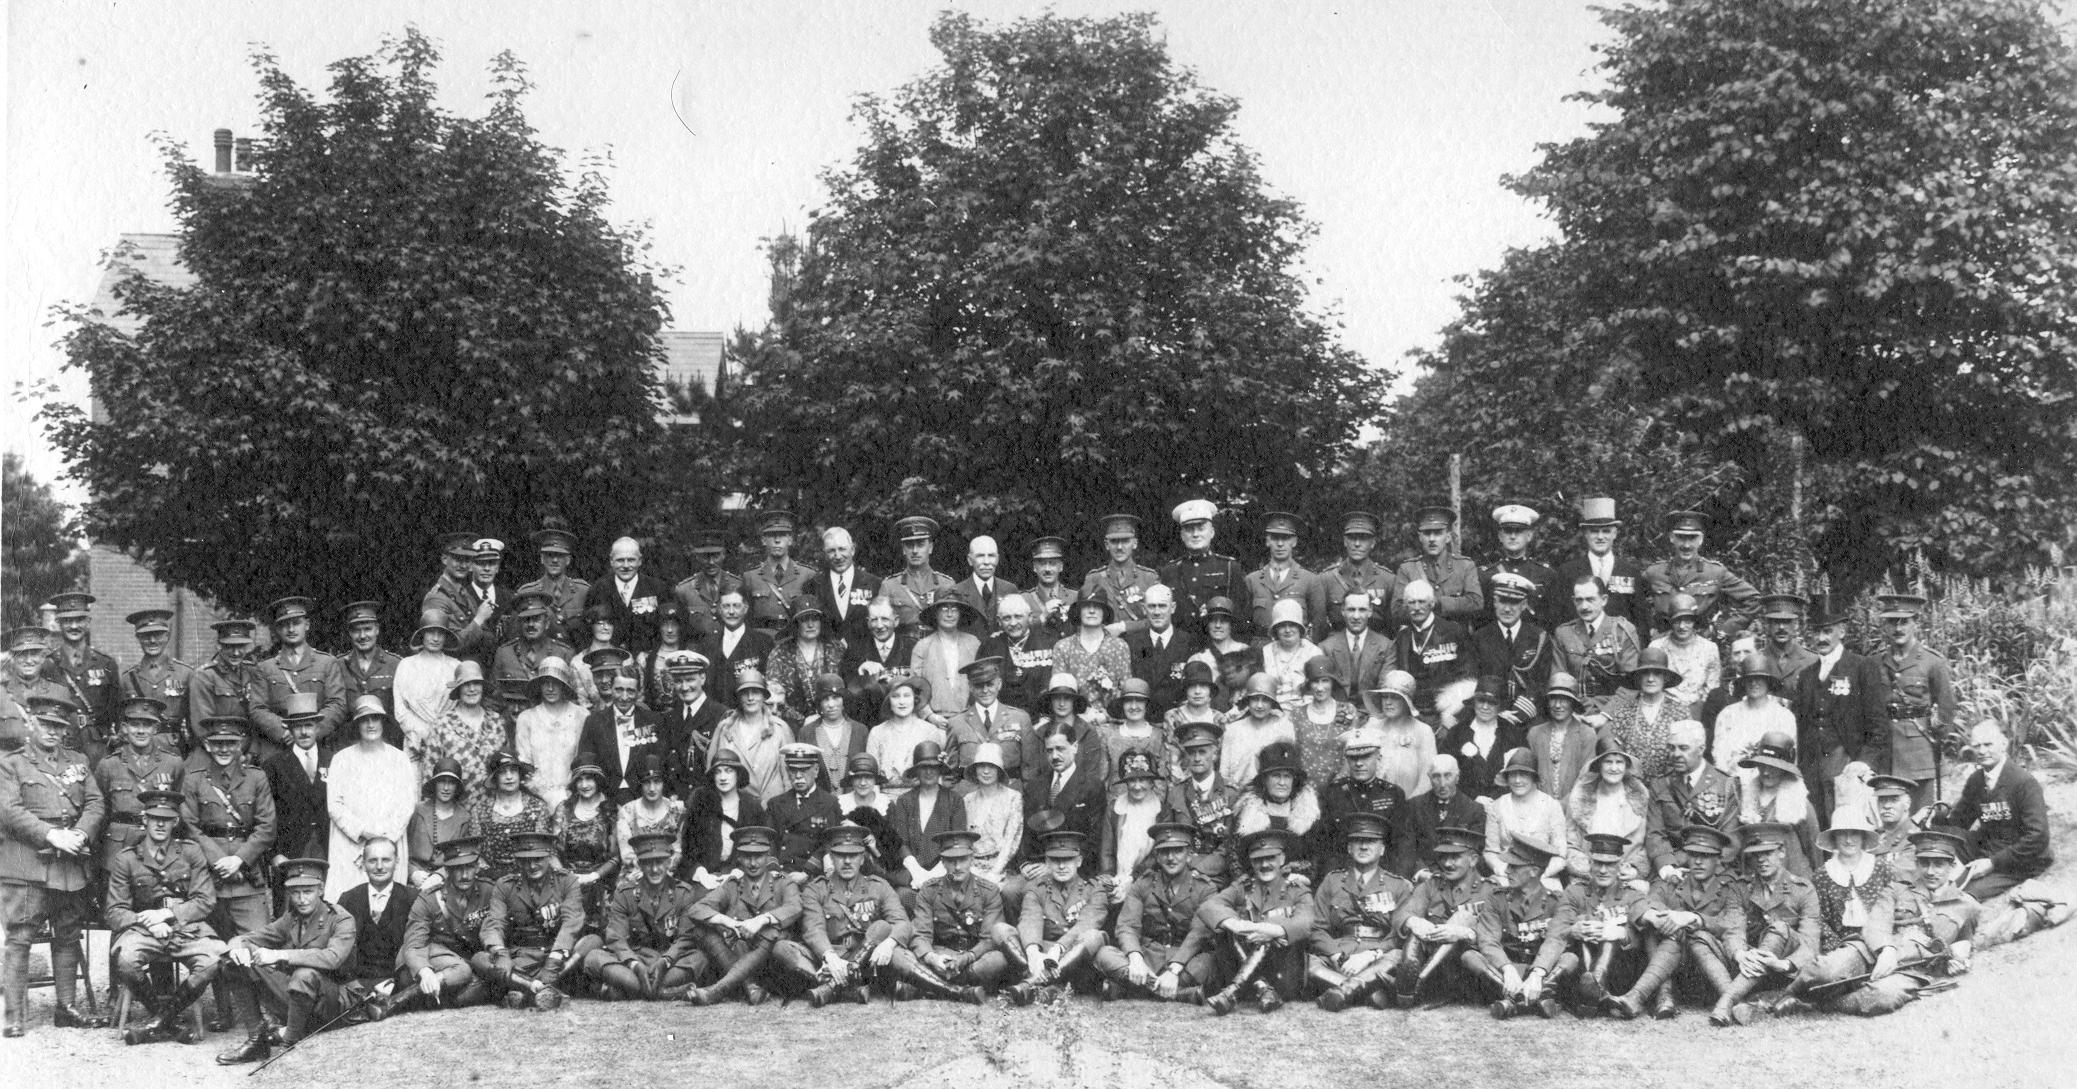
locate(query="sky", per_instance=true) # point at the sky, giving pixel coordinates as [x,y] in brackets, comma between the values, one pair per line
[1391,122]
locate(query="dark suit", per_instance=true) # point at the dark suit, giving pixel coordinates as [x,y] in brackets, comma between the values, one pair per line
[1424,816]
[865,586]
[1163,669]
[2006,823]
[905,814]
[635,623]
[1840,718]
[722,669]
[1358,677]
[1027,668]
[1081,801]
[601,738]
[1523,664]
[1628,595]
[378,940]
[303,828]
[971,591]
[687,735]
[863,700]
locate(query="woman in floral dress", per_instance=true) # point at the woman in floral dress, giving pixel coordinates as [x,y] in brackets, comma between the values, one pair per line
[508,808]
[468,733]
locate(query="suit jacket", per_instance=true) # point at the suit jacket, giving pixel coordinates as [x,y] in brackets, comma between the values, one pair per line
[1846,710]
[635,623]
[1675,804]
[303,830]
[687,736]
[1523,665]
[1628,596]
[905,815]
[1359,676]
[378,942]
[723,669]
[863,702]
[601,738]
[971,591]
[1163,669]
[1026,669]
[1424,816]
[2007,823]
[865,586]
[1082,801]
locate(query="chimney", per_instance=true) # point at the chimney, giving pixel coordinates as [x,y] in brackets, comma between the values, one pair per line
[244,155]
[223,151]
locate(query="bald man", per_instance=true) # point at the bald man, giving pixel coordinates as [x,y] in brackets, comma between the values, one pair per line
[982,587]
[1444,805]
[630,597]
[845,590]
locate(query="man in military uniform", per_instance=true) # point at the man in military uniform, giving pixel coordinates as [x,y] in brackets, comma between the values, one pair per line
[1591,931]
[1355,913]
[1697,919]
[160,676]
[1060,925]
[1355,572]
[1266,922]
[1518,651]
[477,604]
[519,660]
[1623,577]
[957,928]
[1510,932]
[917,587]
[1728,602]
[457,555]
[1201,574]
[1781,616]
[1894,824]
[142,764]
[854,928]
[564,592]
[1362,790]
[651,947]
[443,939]
[701,593]
[744,918]
[1932,935]
[1203,800]
[1281,578]
[368,670]
[1515,523]
[1434,651]
[1781,923]
[91,676]
[1437,922]
[1921,702]
[51,812]
[226,686]
[1050,599]
[771,586]
[160,895]
[1452,580]
[1842,713]
[27,650]
[804,813]
[294,667]
[1157,950]
[1698,793]
[228,808]
[1599,649]
[987,719]
[531,930]
[295,967]
[844,590]
[1122,583]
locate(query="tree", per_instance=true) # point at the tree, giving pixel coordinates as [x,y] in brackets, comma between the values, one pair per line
[408,322]
[1051,284]
[41,557]
[1849,224]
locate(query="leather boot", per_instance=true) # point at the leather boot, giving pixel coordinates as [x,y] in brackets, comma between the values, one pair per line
[1719,978]
[1334,996]
[1268,997]
[820,995]
[1190,996]
[1733,1002]
[65,959]
[1657,971]
[738,975]
[620,980]
[14,986]
[171,1021]
[935,986]
[255,1048]
[1664,1008]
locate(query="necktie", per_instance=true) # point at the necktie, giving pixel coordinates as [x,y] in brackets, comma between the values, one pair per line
[1059,781]
[843,595]
[987,723]
[1356,651]
[988,597]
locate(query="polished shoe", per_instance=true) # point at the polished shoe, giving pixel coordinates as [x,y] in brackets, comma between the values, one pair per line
[860,993]
[548,998]
[1334,1000]
[754,994]
[11,1031]
[823,995]
[1547,1008]
[63,1016]
[1664,1008]
[699,996]
[255,1048]
[183,1033]
[1221,1004]
[973,996]
[1190,996]
[1501,1010]
[1620,1007]
[1267,999]
[151,1033]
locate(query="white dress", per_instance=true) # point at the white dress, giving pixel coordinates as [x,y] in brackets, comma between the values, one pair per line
[366,794]
[420,692]
[547,738]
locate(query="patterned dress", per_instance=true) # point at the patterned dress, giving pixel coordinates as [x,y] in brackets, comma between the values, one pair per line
[636,821]
[1101,672]
[1319,744]
[497,831]
[1837,920]
[470,744]
[586,846]
[1645,739]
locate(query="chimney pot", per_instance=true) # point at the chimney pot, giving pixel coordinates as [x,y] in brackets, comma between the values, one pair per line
[223,151]
[244,155]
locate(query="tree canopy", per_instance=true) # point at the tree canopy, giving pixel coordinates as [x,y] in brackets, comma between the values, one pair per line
[404,322]
[1050,285]
[41,557]
[1850,224]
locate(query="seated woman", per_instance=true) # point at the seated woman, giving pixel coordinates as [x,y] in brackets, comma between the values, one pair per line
[1129,821]
[1524,809]
[509,808]
[651,812]
[1279,798]
[994,810]
[939,656]
[928,807]
[1609,799]
[716,809]
[442,814]
[1771,789]
[1482,741]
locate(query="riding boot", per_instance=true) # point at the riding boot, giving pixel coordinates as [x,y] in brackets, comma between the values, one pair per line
[65,958]
[171,1012]
[934,985]
[737,976]
[298,1026]
[1333,987]
[1664,961]
[1736,987]
[14,986]
[620,980]
[257,1046]
[1719,977]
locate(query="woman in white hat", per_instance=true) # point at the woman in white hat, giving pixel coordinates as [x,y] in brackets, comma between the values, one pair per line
[548,733]
[893,742]
[469,731]
[420,691]
[370,791]
[995,809]
[1285,655]
[1856,905]
[1406,745]
[756,734]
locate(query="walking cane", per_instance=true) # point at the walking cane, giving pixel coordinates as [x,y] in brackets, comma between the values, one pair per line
[343,1015]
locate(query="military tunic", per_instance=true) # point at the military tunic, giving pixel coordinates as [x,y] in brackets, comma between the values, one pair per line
[318,952]
[1437,656]
[1062,915]
[1716,590]
[1458,596]
[1124,588]
[741,897]
[375,677]
[537,917]
[1267,586]
[1931,920]
[1514,925]
[651,924]
[1333,585]
[519,661]
[230,811]
[94,681]
[1582,902]
[1600,657]
[1199,577]
[701,595]
[1158,921]
[1358,913]
[1677,803]
[43,792]
[1280,903]
[164,678]
[801,824]
[221,690]
[962,918]
[770,588]
[281,677]
[1209,809]
[849,918]
[176,878]
[912,592]
[565,606]
[1049,608]
[445,933]
[1921,704]
[1781,917]
[1544,576]
[122,773]
[1718,901]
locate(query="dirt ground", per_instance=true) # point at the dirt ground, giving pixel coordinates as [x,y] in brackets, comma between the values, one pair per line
[2007,1025]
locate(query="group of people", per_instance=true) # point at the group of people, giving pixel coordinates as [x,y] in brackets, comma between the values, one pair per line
[1528,786]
